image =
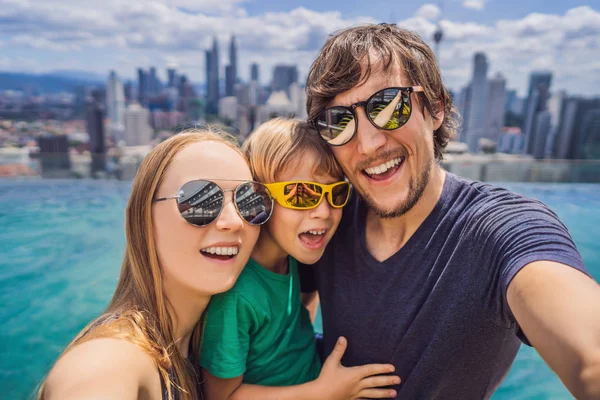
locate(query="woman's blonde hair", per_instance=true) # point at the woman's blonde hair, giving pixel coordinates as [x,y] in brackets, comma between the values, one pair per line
[279,142]
[139,311]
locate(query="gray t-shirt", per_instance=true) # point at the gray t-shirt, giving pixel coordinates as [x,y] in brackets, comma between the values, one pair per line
[437,308]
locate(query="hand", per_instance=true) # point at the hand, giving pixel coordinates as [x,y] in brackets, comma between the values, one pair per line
[336,382]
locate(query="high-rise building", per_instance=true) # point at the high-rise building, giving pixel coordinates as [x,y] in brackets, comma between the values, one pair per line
[172,77]
[475,126]
[572,135]
[80,96]
[54,154]
[464,106]
[298,99]
[129,92]
[254,74]
[537,79]
[543,122]
[154,83]
[590,128]
[95,128]
[115,99]
[212,79]
[231,69]
[283,77]
[496,106]
[228,108]
[137,126]
[142,86]
[537,98]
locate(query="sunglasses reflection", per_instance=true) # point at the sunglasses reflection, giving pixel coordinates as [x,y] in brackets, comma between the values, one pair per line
[300,195]
[201,202]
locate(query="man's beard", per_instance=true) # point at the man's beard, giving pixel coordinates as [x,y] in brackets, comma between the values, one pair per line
[415,192]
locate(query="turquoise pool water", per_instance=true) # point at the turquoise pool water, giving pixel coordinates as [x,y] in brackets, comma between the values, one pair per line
[62,242]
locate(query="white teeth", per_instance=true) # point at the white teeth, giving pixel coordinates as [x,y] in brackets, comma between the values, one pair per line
[380,169]
[316,232]
[221,251]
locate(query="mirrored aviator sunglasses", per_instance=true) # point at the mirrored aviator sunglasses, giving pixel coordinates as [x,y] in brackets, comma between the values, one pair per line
[387,109]
[303,195]
[200,202]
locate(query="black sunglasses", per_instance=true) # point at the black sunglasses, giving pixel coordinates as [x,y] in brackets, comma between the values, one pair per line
[387,109]
[200,202]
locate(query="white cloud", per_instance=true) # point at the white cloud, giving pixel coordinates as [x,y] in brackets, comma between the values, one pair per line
[428,11]
[157,32]
[474,4]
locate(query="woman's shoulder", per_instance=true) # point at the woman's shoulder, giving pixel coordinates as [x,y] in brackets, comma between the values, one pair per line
[104,368]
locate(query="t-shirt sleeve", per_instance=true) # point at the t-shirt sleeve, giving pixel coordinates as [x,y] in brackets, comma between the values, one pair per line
[524,231]
[229,321]
[308,282]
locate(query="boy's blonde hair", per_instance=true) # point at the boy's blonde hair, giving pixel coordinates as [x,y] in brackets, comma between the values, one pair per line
[278,143]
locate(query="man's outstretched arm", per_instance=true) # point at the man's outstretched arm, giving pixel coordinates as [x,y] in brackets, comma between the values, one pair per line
[558,309]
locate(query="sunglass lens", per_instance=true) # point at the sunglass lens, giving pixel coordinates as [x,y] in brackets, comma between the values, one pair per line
[336,125]
[340,194]
[254,202]
[302,194]
[389,109]
[200,202]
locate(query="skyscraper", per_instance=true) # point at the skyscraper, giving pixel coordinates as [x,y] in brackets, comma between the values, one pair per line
[479,96]
[572,132]
[54,155]
[543,121]
[212,79]
[137,126]
[496,106]
[115,99]
[283,77]
[537,98]
[231,69]
[464,107]
[142,86]
[172,76]
[153,82]
[254,74]
[95,127]
[590,127]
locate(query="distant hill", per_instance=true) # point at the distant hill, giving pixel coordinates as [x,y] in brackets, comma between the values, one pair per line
[59,81]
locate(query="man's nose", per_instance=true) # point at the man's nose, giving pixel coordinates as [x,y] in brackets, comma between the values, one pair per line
[369,138]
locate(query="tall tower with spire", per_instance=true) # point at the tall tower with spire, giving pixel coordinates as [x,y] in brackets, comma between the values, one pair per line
[231,69]
[212,79]
[438,35]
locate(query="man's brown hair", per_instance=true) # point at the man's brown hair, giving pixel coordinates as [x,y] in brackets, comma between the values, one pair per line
[339,68]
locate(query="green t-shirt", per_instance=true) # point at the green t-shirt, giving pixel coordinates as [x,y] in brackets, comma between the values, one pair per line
[260,329]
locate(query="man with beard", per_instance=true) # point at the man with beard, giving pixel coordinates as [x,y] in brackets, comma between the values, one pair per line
[440,276]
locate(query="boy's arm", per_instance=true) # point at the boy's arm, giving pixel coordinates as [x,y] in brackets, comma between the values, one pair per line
[215,388]
[311,302]
[335,382]
[233,389]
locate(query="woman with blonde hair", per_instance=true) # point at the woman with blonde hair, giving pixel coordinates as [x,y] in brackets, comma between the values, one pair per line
[191,223]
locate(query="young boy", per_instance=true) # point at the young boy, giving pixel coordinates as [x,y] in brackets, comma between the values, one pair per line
[258,341]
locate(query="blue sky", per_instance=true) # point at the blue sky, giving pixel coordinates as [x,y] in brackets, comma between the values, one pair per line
[518,36]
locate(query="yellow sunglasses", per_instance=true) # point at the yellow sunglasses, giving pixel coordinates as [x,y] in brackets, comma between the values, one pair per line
[304,195]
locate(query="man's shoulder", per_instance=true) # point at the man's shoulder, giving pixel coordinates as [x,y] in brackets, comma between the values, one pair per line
[491,207]
[488,197]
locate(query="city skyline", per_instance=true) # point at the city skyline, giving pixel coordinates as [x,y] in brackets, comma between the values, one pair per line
[122,37]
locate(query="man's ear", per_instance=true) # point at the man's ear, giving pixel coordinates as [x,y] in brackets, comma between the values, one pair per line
[438,118]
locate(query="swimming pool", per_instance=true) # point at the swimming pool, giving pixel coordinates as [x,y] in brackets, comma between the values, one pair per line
[62,242]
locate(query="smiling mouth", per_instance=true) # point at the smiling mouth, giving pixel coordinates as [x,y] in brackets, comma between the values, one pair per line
[384,170]
[313,237]
[220,252]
